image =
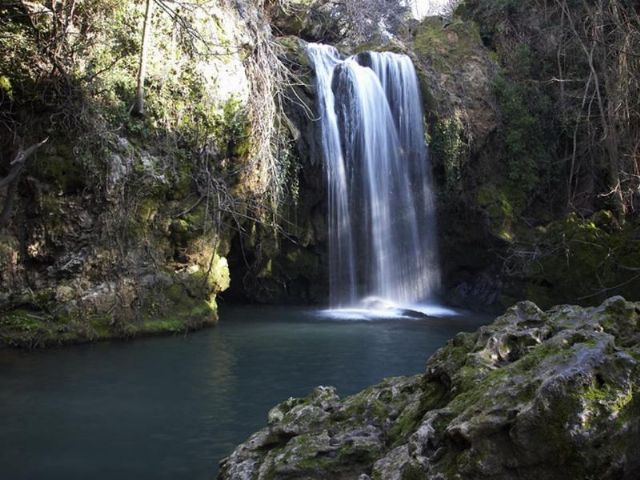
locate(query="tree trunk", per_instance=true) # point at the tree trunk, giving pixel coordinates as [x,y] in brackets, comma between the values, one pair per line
[147,33]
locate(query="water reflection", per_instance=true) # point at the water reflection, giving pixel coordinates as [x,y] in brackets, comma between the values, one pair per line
[171,408]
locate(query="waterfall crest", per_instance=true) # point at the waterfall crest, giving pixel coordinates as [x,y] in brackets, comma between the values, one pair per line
[381,210]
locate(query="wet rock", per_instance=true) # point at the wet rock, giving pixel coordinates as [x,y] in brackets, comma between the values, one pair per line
[536,394]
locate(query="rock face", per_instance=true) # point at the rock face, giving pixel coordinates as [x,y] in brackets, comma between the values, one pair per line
[535,395]
[111,233]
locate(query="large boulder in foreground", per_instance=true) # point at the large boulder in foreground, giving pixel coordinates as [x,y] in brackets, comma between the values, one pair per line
[535,395]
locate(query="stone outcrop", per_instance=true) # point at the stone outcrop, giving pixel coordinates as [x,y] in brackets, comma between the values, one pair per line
[112,233]
[536,394]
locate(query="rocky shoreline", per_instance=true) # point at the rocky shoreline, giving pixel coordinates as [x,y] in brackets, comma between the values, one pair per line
[535,395]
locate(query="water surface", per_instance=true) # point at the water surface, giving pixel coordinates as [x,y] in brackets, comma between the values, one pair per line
[172,407]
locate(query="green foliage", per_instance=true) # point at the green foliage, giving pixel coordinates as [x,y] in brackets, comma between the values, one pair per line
[553,91]
[579,260]
[84,84]
[522,137]
[499,209]
[521,61]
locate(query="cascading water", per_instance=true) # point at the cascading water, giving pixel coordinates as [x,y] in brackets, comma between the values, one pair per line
[381,210]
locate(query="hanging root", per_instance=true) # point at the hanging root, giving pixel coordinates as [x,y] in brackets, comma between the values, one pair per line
[269,79]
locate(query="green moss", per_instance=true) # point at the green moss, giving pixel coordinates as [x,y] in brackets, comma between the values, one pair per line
[446,45]
[629,409]
[606,395]
[579,261]
[455,352]
[534,356]
[180,231]
[31,329]
[449,147]
[101,326]
[351,454]
[499,210]
[59,166]
[147,209]
[474,394]
[21,321]
[175,293]
[604,403]
[183,176]
[405,424]
[169,325]
[24,328]
[234,128]
[378,410]
[317,464]
[5,86]
[295,51]
[215,279]
[473,382]
[413,472]
[196,218]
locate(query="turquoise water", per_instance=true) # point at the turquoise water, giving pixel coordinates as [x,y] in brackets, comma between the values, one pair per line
[173,407]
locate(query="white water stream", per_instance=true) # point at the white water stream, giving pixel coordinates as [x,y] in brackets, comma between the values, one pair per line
[382,242]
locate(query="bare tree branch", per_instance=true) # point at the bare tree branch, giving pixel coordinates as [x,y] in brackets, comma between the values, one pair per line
[11,180]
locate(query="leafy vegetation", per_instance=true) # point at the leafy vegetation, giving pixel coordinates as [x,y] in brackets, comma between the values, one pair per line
[570,97]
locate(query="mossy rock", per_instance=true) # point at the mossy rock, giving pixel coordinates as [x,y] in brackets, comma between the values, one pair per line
[312,20]
[295,53]
[447,44]
[60,166]
[164,302]
[37,329]
[499,210]
[549,394]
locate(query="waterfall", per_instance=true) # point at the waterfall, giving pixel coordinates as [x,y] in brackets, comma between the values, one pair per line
[381,211]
